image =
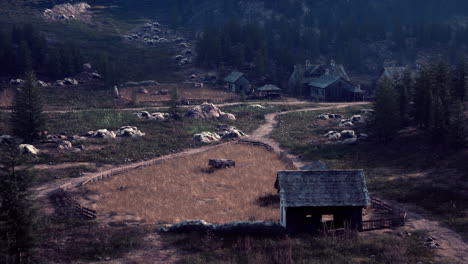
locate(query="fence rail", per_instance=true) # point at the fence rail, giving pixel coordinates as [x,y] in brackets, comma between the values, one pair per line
[398,219]
[74,204]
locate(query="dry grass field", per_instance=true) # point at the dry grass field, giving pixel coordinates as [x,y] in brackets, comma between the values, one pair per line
[187,91]
[180,189]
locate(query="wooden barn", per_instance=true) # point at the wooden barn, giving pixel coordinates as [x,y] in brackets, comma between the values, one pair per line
[334,88]
[268,91]
[237,82]
[309,198]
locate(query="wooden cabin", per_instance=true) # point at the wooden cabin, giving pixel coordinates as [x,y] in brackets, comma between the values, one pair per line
[307,197]
[334,88]
[237,82]
[268,91]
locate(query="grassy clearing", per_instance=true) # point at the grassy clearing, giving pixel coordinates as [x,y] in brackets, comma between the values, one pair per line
[182,188]
[406,169]
[304,249]
[42,176]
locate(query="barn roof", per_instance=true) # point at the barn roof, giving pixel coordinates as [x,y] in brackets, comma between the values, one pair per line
[322,188]
[324,81]
[233,77]
[269,88]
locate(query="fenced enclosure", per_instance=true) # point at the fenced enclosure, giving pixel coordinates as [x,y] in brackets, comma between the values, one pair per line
[398,217]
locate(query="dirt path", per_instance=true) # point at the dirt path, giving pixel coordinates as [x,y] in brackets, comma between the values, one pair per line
[263,132]
[452,247]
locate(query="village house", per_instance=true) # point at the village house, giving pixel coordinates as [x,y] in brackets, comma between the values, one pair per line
[237,82]
[307,198]
[268,91]
[324,82]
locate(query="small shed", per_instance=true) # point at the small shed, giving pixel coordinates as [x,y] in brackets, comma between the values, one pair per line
[237,82]
[307,197]
[334,88]
[268,91]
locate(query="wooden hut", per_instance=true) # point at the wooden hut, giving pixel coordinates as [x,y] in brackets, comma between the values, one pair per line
[268,91]
[237,82]
[307,196]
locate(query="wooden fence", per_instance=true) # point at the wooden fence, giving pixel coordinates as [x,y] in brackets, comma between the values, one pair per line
[74,204]
[398,217]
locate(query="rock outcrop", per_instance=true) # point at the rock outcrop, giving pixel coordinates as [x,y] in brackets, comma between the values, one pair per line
[209,111]
[206,137]
[104,133]
[28,149]
[129,131]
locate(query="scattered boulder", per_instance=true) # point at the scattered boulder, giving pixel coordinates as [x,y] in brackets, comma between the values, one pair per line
[129,131]
[104,133]
[358,119]
[89,134]
[329,116]
[268,228]
[70,81]
[348,134]
[160,116]
[143,114]
[227,132]
[59,83]
[349,141]
[142,91]
[42,84]
[64,145]
[206,137]
[346,123]
[257,106]
[28,149]
[96,75]
[142,83]
[209,111]
[333,135]
[87,67]
[16,82]
[367,111]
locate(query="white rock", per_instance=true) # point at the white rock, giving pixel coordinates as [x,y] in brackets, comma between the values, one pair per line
[206,137]
[104,133]
[257,106]
[129,131]
[28,149]
[348,134]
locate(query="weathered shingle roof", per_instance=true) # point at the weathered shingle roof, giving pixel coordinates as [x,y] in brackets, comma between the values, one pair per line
[268,88]
[322,188]
[233,77]
[324,81]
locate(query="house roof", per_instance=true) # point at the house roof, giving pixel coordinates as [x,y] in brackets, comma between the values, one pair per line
[322,188]
[268,88]
[233,77]
[324,81]
[328,79]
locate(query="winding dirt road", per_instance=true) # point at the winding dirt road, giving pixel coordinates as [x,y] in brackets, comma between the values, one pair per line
[452,247]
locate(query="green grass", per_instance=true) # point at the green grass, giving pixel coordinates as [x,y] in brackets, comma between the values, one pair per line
[43,175]
[208,248]
[439,189]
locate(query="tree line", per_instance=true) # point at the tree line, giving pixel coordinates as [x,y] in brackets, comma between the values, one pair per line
[433,98]
[23,48]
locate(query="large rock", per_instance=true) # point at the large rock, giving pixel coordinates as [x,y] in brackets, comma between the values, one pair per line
[28,149]
[206,137]
[16,82]
[358,119]
[130,131]
[64,145]
[348,134]
[346,123]
[70,81]
[160,116]
[333,135]
[227,132]
[42,84]
[209,111]
[104,133]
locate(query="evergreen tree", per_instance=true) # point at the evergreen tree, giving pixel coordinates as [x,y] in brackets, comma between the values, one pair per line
[387,117]
[457,125]
[27,118]
[404,88]
[17,213]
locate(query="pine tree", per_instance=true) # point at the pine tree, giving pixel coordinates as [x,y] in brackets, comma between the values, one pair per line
[17,212]
[27,118]
[387,117]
